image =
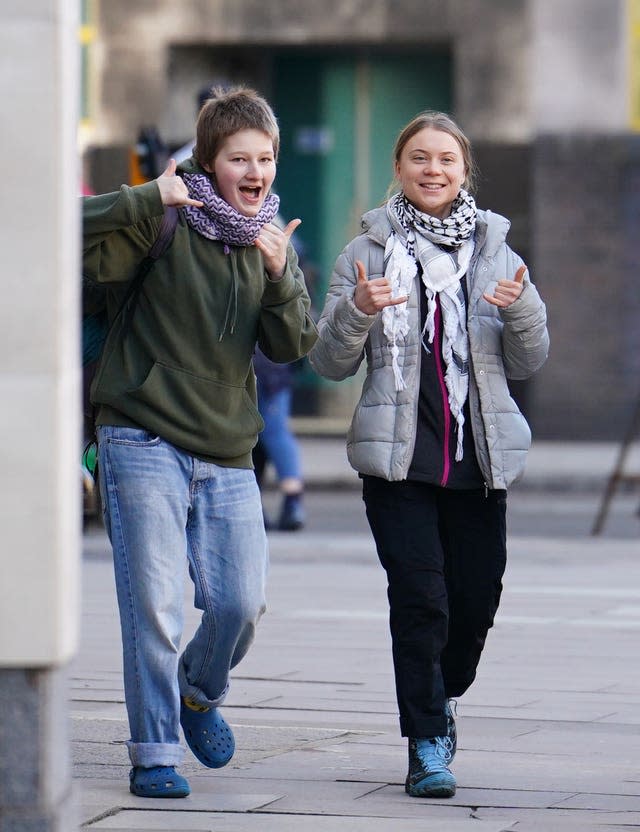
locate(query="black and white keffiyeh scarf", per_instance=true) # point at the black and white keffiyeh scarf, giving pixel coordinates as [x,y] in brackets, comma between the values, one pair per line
[443,248]
[217,220]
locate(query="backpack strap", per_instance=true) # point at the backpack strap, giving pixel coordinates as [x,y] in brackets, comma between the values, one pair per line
[165,232]
[160,245]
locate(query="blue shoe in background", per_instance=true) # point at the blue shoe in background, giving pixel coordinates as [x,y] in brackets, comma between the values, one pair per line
[292,515]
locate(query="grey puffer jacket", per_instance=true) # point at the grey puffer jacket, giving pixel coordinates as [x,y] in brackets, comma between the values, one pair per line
[504,343]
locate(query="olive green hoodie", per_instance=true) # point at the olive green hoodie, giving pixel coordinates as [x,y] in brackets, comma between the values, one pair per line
[183,371]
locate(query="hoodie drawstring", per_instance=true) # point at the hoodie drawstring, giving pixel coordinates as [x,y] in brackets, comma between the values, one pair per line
[233,295]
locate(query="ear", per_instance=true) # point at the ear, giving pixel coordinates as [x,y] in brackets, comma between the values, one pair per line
[208,167]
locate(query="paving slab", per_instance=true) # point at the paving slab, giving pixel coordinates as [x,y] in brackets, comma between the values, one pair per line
[559,820]
[294,823]
[210,794]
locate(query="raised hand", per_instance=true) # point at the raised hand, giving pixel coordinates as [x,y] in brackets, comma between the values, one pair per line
[507,291]
[370,296]
[272,242]
[173,191]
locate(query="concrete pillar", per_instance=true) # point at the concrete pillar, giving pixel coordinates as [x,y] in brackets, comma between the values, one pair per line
[492,49]
[39,418]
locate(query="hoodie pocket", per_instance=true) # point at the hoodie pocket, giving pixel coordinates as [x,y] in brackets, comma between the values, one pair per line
[198,414]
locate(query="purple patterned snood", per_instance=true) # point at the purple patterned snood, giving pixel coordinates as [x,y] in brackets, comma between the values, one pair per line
[217,220]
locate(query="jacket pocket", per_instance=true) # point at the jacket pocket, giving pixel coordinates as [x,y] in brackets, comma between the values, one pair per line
[201,415]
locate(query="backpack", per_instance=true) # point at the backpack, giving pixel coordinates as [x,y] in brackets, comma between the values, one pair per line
[95,323]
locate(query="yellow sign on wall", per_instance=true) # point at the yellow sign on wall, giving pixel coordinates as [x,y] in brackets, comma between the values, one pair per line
[86,37]
[633,28]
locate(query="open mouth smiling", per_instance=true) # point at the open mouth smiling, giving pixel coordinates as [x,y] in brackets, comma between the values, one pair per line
[252,192]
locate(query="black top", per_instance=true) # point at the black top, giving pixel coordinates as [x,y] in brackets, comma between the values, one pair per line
[437,431]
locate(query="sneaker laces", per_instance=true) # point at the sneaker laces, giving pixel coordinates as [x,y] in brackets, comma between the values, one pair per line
[436,750]
[446,748]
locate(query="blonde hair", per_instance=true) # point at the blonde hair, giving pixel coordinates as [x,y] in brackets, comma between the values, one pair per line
[437,121]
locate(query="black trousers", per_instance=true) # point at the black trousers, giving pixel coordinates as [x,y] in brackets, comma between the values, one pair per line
[444,552]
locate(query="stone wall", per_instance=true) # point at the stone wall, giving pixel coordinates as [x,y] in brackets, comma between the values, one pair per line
[135,41]
[586,214]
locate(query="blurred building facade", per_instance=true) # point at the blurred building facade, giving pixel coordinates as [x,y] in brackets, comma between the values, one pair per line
[546,90]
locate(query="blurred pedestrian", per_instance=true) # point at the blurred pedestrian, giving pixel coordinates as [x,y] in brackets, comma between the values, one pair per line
[444,312]
[277,444]
[177,418]
[185,151]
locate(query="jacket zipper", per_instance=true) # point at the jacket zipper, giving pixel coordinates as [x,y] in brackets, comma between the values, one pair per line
[437,354]
[468,278]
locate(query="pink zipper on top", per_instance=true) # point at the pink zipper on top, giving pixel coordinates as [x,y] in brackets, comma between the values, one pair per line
[437,352]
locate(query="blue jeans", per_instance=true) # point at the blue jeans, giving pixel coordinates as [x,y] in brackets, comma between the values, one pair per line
[163,507]
[277,441]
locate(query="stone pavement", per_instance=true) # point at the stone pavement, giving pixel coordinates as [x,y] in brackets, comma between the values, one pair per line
[549,735]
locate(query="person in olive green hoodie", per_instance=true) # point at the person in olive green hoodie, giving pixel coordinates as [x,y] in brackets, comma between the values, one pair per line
[176,421]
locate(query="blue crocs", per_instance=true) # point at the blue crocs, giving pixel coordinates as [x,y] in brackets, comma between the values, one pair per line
[207,734]
[158,781]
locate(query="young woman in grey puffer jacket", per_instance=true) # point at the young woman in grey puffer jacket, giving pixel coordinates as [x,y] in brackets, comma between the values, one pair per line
[444,312]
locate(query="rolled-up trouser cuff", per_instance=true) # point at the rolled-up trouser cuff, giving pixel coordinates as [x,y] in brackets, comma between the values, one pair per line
[189,691]
[150,754]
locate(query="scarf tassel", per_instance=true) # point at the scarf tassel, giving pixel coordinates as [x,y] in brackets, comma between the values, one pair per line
[459,438]
[400,383]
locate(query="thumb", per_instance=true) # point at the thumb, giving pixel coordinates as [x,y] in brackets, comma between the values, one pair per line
[362,275]
[290,228]
[170,169]
[519,278]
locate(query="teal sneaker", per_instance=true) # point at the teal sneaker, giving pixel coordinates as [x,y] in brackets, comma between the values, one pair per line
[429,775]
[450,708]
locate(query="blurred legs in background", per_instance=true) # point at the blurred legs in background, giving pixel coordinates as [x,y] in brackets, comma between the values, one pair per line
[278,445]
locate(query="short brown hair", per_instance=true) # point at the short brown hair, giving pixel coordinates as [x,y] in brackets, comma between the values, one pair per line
[439,121]
[227,112]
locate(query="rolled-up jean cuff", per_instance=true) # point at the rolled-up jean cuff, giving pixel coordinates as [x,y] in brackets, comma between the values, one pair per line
[150,754]
[189,691]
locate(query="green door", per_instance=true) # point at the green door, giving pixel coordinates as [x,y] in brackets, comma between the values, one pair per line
[340,115]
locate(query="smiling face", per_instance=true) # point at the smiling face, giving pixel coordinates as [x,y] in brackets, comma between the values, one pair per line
[431,170]
[244,169]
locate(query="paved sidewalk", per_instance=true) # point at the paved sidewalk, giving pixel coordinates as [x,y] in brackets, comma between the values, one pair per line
[549,733]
